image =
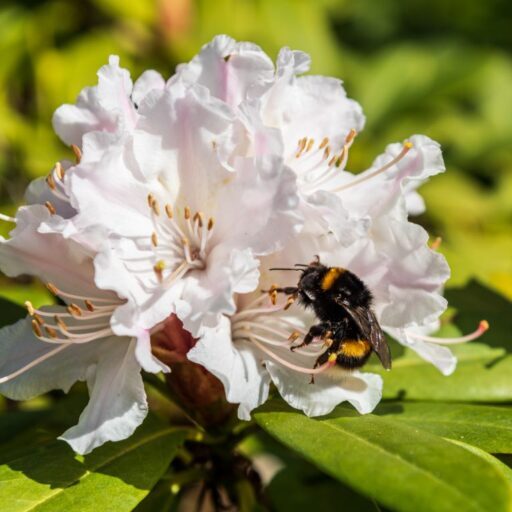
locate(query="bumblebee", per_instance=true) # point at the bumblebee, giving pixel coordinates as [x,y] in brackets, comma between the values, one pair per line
[343,305]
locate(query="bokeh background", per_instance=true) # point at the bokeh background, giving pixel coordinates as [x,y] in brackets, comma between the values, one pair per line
[422,66]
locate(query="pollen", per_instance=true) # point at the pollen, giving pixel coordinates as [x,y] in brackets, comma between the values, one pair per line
[408,145]
[332,358]
[29,307]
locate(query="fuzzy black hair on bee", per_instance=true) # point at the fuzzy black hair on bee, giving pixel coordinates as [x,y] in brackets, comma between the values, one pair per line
[343,305]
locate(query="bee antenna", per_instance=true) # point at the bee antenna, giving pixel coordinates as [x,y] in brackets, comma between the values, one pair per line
[301,265]
[278,268]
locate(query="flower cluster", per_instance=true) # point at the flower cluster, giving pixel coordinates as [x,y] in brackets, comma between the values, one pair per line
[183,194]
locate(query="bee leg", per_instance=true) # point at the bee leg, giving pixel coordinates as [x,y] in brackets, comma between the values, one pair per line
[274,290]
[314,332]
[322,359]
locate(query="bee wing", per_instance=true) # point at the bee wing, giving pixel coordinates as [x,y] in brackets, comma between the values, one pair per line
[370,329]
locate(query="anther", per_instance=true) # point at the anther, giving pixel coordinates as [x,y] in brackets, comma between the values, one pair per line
[159,268]
[50,331]
[302,145]
[168,210]
[351,136]
[52,288]
[198,217]
[332,160]
[327,152]
[184,241]
[273,297]
[51,182]
[211,222]
[59,171]
[151,198]
[310,145]
[38,319]
[74,310]
[289,302]
[332,358]
[77,152]
[339,160]
[89,305]
[154,239]
[324,143]
[436,243]
[36,329]
[30,308]
[60,322]
[295,335]
[186,212]
[50,207]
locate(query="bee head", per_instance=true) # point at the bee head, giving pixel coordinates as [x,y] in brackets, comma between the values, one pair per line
[310,282]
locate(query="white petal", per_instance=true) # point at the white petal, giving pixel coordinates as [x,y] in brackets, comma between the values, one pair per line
[441,357]
[228,69]
[19,347]
[258,208]
[117,404]
[144,356]
[105,107]
[149,81]
[246,382]
[362,390]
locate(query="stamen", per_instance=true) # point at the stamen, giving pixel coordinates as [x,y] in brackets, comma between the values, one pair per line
[74,310]
[406,148]
[155,207]
[186,213]
[302,145]
[7,218]
[327,152]
[50,207]
[483,326]
[36,328]
[33,363]
[436,243]
[60,323]
[51,182]
[168,211]
[310,145]
[211,222]
[78,153]
[53,289]
[198,217]
[30,308]
[59,171]
[89,305]
[324,143]
[310,371]
[50,331]
[154,239]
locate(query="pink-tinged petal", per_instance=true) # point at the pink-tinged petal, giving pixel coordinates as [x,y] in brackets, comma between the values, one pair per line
[55,366]
[362,390]
[147,82]
[178,140]
[117,403]
[258,207]
[50,257]
[246,382]
[105,107]
[314,107]
[376,194]
[228,69]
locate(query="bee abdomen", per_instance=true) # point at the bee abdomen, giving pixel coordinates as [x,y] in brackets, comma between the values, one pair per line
[353,353]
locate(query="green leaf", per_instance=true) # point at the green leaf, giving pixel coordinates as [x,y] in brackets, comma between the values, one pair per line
[114,477]
[10,312]
[487,427]
[402,467]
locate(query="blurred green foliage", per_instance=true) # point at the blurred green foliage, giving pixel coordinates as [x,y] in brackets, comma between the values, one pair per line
[434,67]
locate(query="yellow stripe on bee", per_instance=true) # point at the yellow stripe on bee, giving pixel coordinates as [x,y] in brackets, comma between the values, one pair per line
[331,276]
[355,348]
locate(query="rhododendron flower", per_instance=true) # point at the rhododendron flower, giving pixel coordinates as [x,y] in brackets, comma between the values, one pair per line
[58,345]
[185,193]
